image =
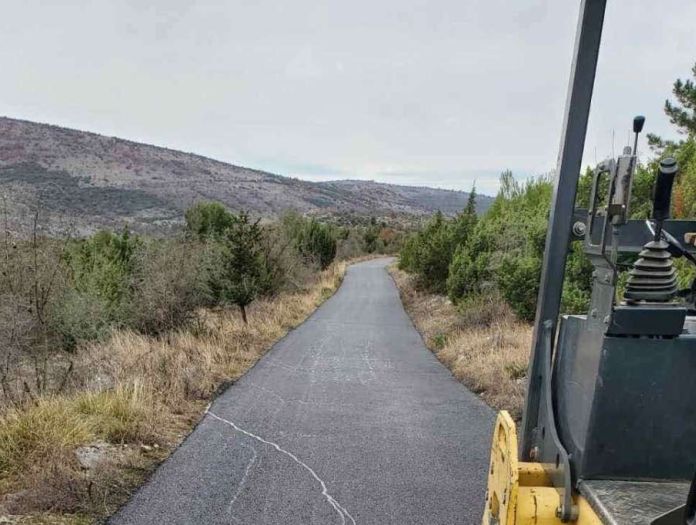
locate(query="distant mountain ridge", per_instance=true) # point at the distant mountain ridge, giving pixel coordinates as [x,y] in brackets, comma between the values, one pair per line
[94,181]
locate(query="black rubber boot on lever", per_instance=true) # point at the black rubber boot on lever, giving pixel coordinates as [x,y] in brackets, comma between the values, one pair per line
[653,277]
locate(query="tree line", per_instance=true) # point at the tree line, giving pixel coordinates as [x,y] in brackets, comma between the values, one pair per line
[500,253]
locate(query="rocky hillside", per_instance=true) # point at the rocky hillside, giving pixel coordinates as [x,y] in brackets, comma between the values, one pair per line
[85,181]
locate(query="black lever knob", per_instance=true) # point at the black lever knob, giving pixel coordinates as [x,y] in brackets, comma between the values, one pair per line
[663,189]
[638,123]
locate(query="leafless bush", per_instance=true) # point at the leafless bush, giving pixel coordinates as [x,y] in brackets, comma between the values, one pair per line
[351,246]
[31,280]
[284,268]
[166,285]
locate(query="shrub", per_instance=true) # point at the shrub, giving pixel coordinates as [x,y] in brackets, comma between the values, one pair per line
[469,257]
[577,287]
[409,253]
[282,266]
[167,285]
[212,271]
[435,253]
[370,236]
[389,240]
[464,223]
[483,310]
[467,273]
[122,281]
[32,281]
[518,281]
[101,265]
[80,317]
[349,244]
[505,248]
[430,252]
[316,241]
[207,219]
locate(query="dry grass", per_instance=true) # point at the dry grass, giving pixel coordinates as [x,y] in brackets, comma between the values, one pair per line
[40,471]
[481,342]
[139,395]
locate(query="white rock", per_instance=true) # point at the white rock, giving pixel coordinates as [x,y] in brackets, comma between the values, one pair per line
[91,455]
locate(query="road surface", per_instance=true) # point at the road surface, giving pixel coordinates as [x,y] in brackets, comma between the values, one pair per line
[348,420]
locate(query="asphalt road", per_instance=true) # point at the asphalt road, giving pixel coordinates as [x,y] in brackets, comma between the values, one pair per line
[347,420]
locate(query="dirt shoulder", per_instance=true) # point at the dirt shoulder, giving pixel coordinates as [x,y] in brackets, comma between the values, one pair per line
[480,341]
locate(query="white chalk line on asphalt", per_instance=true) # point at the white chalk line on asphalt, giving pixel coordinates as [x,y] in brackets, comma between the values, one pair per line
[340,510]
[240,485]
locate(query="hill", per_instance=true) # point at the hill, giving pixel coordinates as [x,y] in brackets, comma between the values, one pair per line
[90,181]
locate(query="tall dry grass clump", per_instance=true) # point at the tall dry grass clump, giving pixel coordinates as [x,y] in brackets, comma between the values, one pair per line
[480,341]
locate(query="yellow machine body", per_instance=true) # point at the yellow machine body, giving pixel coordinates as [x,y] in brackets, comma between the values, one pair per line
[520,493]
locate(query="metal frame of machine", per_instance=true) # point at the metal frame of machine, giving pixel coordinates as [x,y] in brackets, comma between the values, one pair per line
[608,432]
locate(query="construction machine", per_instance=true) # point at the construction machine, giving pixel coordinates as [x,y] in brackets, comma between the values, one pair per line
[608,434]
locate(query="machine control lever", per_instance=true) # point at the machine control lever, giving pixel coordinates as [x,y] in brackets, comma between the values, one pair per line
[663,193]
[653,277]
[638,122]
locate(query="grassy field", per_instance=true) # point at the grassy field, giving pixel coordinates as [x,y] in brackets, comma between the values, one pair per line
[481,342]
[75,458]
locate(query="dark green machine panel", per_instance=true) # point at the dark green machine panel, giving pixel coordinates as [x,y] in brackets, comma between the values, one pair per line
[626,405]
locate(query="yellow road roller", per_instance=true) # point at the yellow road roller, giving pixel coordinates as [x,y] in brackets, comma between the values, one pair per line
[608,434]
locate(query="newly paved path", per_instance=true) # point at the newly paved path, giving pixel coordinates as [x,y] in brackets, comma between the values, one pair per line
[348,420]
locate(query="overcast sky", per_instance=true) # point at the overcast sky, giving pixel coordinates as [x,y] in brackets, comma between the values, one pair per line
[426,92]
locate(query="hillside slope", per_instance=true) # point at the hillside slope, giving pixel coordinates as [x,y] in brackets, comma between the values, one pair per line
[89,181]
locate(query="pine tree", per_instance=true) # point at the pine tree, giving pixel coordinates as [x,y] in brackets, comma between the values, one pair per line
[681,113]
[471,202]
[683,116]
[243,267]
[465,221]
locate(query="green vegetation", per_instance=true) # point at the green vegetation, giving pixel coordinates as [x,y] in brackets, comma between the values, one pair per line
[61,294]
[370,236]
[242,265]
[429,252]
[74,451]
[317,242]
[681,113]
[115,341]
[502,251]
[208,219]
